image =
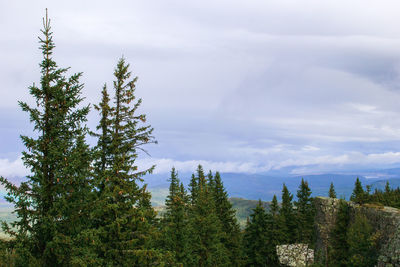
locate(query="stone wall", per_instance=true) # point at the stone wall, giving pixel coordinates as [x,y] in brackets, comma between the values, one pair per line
[386,220]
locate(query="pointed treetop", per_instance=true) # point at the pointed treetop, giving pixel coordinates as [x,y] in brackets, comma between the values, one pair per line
[387,187]
[332,192]
[274,206]
[358,194]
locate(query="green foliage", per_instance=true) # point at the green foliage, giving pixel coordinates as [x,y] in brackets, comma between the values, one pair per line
[193,188]
[287,215]
[125,222]
[362,242]
[51,204]
[255,238]
[305,213]
[175,222]
[353,243]
[332,192]
[274,232]
[264,231]
[338,253]
[389,197]
[205,226]
[102,151]
[231,237]
[358,195]
[274,206]
[244,208]
[387,188]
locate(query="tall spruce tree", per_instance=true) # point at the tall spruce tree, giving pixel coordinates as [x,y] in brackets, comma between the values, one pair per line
[287,217]
[338,254]
[358,194]
[102,150]
[123,205]
[175,222]
[231,237]
[387,188]
[256,237]
[305,213]
[332,192]
[362,242]
[274,207]
[193,188]
[388,196]
[274,224]
[51,204]
[206,231]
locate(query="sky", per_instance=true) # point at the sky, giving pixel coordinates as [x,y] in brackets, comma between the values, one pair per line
[238,86]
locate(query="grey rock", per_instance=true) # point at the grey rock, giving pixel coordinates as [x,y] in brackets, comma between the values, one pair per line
[385,220]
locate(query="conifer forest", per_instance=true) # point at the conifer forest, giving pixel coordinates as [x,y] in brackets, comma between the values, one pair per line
[89,205]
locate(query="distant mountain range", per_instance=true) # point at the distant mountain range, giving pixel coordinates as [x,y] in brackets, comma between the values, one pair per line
[263,186]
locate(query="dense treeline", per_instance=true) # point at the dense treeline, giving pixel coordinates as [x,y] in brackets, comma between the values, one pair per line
[387,197]
[200,228]
[288,223]
[353,242]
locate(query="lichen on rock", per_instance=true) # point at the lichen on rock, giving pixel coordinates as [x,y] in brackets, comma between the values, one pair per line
[295,255]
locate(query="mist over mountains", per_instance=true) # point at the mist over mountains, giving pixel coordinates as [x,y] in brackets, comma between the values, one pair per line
[264,186]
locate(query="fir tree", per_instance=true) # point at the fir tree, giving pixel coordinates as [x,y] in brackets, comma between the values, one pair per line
[287,217]
[175,222]
[193,188]
[274,232]
[255,238]
[102,150]
[358,195]
[388,195]
[51,205]
[362,242]
[332,192]
[206,231]
[387,188]
[338,254]
[227,215]
[305,213]
[211,181]
[274,207]
[273,237]
[127,216]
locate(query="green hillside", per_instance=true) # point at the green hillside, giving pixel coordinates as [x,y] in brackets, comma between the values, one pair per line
[243,207]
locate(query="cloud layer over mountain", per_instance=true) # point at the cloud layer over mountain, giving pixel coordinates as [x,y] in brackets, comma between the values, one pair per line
[239,86]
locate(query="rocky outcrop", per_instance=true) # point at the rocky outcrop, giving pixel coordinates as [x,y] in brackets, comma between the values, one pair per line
[325,219]
[295,255]
[385,220]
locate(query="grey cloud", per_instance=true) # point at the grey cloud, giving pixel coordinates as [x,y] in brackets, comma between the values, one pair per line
[259,83]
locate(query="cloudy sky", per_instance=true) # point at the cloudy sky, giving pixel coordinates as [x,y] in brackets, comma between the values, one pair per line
[249,86]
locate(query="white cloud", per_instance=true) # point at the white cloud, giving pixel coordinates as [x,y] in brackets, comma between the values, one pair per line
[320,81]
[9,168]
[301,163]
[164,165]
